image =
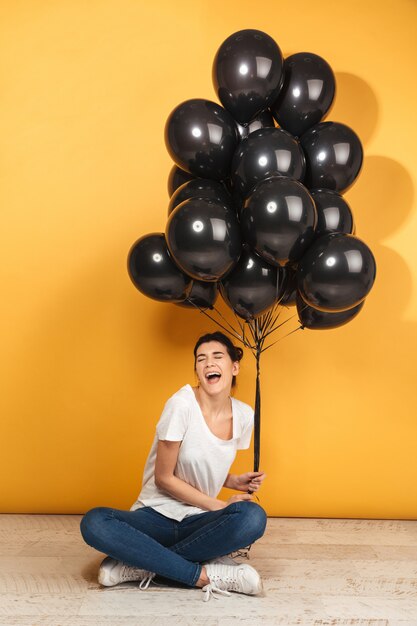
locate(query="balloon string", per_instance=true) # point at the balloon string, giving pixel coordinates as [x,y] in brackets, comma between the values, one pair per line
[290,333]
[258,330]
[241,337]
[252,332]
[257,416]
[257,421]
[268,324]
[265,319]
[271,319]
[276,311]
[242,327]
[274,328]
[234,333]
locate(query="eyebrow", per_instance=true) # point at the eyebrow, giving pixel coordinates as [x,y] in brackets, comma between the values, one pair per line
[204,354]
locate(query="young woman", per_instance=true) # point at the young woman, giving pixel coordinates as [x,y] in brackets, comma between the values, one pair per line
[177,529]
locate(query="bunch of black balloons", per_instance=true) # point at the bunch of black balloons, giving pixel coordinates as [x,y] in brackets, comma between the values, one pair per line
[256,209]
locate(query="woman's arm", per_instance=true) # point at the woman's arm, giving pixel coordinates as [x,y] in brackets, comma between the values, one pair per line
[166,460]
[230,482]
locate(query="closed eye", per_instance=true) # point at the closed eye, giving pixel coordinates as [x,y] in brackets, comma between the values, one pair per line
[217,355]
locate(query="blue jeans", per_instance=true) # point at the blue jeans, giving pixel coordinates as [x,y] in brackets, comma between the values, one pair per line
[173,550]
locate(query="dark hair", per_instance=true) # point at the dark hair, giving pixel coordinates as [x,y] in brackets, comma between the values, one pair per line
[234,352]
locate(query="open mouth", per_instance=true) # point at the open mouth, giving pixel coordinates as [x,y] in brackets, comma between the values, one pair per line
[213,377]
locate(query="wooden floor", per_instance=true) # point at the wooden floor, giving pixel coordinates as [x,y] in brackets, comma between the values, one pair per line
[315,571]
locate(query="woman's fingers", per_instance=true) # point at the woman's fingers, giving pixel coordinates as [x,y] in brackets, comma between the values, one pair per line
[259,479]
[256,482]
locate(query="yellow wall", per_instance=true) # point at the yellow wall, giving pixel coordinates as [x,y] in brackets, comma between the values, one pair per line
[87,362]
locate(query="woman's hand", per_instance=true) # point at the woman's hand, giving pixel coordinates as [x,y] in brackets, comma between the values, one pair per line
[238,497]
[249,481]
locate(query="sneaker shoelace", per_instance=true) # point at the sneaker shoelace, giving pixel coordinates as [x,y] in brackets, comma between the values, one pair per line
[147,580]
[220,584]
[133,573]
[211,589]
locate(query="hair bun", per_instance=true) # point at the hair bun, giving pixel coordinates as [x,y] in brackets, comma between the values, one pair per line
[239,353]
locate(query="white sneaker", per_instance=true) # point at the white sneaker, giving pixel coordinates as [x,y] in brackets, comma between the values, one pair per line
[113,572]
[226,560]
[224,578]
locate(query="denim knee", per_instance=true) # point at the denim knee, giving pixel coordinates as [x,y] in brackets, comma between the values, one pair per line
[92,521]
[254,518]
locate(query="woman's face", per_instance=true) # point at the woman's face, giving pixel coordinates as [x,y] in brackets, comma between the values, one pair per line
[214,367]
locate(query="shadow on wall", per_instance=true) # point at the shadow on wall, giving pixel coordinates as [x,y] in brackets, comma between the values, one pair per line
[354,104]
[381,199]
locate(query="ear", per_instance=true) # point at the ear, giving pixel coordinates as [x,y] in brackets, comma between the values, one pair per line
[235,368]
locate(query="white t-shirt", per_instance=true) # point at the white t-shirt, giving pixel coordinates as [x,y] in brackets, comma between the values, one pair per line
[204,459]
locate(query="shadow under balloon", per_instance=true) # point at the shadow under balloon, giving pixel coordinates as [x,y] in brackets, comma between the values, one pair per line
[355,105]
[381,199]
[391,292]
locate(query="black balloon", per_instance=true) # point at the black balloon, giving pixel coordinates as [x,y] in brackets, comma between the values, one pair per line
[238,201]
[203,237]
[227,182]
[263,120]
[333,213]
[247,73]
[333,155]
[252,287]
[336,273]
[320,320]
[263,153]
[176,178]
[307,93]
[202,295]
[200,188]
[153,272]
[288,297]
[278,220]
[201,138]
